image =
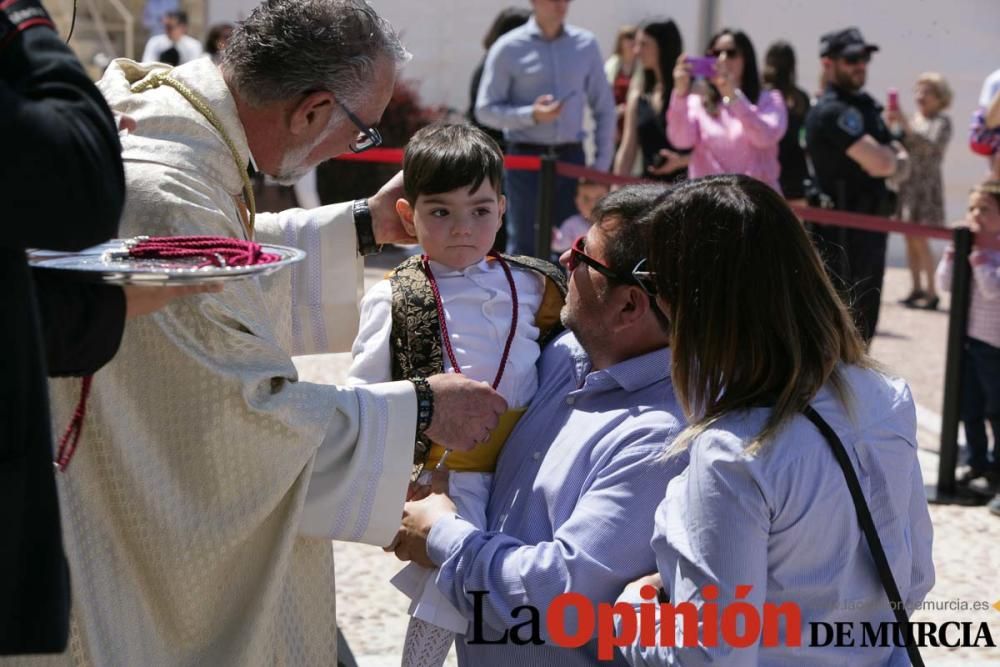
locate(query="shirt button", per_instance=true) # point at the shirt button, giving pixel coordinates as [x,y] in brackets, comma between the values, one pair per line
[536,455]
[570,400]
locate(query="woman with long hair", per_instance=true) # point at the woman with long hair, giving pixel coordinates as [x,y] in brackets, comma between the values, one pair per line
[734,125]
[779,74]
[773,376]
[658,44]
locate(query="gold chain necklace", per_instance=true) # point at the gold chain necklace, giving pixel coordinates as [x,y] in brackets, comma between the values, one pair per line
[157,79]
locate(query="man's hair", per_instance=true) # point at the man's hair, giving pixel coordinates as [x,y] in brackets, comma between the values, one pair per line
[177,15]
[445,157]
[287,48]
[627,241]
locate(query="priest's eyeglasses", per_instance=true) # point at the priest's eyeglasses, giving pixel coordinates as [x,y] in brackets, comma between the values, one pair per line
[368,137]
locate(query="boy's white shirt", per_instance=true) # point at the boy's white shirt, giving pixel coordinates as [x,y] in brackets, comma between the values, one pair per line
[478,308]
[477,304]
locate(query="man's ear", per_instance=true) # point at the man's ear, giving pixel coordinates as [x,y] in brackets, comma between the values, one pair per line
[312,113]
[405,213]
[634,305]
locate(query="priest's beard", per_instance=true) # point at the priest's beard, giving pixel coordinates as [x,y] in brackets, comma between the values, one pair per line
[293,164]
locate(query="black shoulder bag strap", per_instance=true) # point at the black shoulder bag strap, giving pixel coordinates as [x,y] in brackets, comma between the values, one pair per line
[868,528]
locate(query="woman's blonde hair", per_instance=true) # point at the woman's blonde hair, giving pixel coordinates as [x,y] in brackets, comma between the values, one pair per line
[939,85]
[624,32]
[755,319]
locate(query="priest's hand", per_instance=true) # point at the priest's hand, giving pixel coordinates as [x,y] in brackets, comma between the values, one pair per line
[465,411]
[419,517]
[386,225]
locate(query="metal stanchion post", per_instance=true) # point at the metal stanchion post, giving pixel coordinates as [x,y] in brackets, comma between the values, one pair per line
[961,282]
[543,213]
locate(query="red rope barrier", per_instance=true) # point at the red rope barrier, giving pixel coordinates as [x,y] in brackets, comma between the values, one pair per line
[820,216]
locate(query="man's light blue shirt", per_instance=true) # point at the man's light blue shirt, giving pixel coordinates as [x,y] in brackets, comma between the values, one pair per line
[523,65]
[573,500]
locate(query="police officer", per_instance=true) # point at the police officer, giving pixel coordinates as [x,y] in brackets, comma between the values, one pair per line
[852,153]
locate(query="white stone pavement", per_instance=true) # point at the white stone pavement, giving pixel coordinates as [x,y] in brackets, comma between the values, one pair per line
[371,612]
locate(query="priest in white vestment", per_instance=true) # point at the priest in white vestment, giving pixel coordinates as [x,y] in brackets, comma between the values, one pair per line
[199,507]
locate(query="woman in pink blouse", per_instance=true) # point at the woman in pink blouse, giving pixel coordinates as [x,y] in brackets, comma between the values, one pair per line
[733,126]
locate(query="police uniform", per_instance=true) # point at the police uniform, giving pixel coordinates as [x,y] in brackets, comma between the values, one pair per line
[854,257]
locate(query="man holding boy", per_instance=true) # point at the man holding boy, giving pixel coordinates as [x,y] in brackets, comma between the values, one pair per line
[579,479]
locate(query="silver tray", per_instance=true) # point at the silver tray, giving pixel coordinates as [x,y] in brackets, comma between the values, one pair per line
[110,263]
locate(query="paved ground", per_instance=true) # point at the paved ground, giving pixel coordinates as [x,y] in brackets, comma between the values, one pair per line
[966,545]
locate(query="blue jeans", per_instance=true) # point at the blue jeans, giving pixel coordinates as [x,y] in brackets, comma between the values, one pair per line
[521,188]
[981,401]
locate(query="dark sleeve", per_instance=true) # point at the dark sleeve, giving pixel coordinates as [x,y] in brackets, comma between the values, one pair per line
[61,179]
[81,322]
[840,124]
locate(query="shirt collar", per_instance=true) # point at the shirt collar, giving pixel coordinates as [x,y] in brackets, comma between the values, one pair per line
[632,374]
[534,30]
[440,270]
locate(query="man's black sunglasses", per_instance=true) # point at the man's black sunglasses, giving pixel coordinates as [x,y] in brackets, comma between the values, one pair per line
[857,58]
[644,280]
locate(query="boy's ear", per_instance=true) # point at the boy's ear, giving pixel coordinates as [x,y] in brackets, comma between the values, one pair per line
[405,213]
[503,208]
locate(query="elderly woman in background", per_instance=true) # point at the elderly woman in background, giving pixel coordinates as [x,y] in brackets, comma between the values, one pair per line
[734,126]
[921,196]
[658,44]
[777,385]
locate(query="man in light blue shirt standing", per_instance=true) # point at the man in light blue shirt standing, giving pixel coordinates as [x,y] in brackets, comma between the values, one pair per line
[579,478]
[536,82]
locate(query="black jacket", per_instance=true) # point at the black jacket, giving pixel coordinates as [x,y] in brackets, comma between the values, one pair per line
[61,187]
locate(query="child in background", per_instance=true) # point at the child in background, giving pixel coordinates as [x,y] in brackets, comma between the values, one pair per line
[588,193]
[459,308]
[980,399]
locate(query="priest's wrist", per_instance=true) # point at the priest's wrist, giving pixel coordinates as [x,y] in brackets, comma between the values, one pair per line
[363,228]
[425,405]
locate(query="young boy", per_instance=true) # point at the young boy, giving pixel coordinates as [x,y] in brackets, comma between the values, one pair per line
[588,193]
[458,308]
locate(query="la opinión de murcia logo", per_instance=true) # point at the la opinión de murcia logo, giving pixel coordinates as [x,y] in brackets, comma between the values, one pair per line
[739,624]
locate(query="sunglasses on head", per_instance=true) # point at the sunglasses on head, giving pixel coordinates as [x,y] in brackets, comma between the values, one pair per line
[857,58]
[730,53]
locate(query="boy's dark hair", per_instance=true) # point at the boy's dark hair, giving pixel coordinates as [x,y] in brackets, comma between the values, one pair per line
[180,16]
[448,156]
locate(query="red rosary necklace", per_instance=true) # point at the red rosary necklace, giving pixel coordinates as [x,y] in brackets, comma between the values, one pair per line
[444,325]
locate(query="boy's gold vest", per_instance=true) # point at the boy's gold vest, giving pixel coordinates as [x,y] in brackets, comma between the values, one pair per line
[415,342]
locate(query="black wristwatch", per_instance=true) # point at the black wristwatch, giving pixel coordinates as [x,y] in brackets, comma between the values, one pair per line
[425,404]
[363,227]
